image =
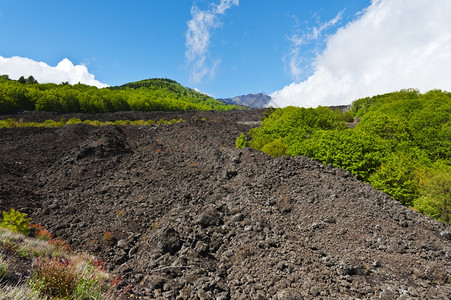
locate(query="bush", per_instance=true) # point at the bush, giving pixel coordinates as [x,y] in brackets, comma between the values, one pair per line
[16,221]
[39,232]
[435,192]
[347,117]
[75,278]
[357,152]
[275,148]
[55,277]
[395,177]
[241,141]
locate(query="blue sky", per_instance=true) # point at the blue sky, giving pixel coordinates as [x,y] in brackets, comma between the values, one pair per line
[222,47]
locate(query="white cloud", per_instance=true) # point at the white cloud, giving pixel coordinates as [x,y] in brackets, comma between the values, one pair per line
[198,38]
[65,71]
[393,45]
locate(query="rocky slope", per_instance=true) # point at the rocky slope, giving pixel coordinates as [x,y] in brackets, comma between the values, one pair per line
[192,217]
[259,100]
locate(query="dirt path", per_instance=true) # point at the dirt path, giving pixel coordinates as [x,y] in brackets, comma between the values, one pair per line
[194,218]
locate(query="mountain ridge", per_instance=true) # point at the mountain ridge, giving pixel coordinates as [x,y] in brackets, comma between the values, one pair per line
[258,100]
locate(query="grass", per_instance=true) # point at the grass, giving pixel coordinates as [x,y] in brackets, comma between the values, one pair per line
[57,272]
[12,123]
[3,266]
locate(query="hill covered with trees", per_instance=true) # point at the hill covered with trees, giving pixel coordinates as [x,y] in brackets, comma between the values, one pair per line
[401,144]
[145,95]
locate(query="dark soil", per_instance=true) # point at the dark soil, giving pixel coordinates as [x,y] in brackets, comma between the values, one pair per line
[192,217]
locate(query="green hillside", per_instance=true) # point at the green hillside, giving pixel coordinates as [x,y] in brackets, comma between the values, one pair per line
[145,95]
[166,88]
[401,146]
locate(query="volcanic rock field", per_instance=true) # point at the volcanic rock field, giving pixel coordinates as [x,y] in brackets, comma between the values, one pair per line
[188,216]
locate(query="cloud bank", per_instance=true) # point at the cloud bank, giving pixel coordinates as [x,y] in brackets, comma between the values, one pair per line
[393,45]
[65,71]
[198,38]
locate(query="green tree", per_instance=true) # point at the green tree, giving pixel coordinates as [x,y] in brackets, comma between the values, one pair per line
[22,80]
[31,80]
[435,192]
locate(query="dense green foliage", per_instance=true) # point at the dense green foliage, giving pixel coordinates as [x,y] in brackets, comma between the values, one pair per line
[402,144]
[241,141]
[146,95]
[15,221]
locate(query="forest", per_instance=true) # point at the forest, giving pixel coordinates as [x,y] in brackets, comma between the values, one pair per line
[401,144]
[146,95]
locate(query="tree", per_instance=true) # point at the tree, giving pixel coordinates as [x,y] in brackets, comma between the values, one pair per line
[22,80]
[31,80]
[5,77]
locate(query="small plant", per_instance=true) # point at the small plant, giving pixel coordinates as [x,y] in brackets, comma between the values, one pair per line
[241,141]
[16,221]
[115,280]
[59,245]
[99,264]
[39,232]
[54,277]
[3,267]
[80,277]
[107,236]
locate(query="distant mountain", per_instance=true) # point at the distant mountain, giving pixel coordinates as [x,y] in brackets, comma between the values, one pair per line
[251,100]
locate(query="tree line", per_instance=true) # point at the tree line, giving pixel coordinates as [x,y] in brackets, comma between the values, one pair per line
[146,95]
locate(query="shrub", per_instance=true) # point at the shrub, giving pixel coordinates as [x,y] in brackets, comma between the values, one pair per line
[73,121]
[275,148]
[241,141]
[435,193]
[16,221]
[347,117]
[268,111]
[55,277]
[395,177]
[39,232]
[107,236]
[79,277]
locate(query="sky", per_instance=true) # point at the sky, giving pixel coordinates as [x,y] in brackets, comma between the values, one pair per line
[301,52]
